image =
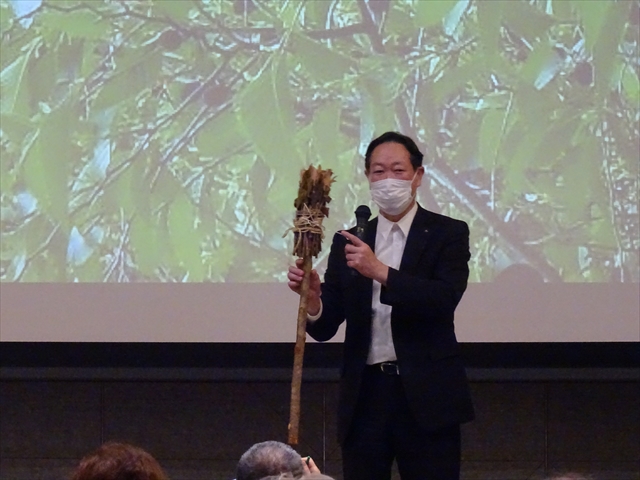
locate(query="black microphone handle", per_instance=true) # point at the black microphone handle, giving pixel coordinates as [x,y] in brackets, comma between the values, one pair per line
[362,217]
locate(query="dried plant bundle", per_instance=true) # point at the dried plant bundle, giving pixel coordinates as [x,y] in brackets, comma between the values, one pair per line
[311,208]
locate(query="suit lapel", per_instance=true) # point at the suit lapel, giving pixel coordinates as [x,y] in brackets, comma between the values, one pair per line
[417,240]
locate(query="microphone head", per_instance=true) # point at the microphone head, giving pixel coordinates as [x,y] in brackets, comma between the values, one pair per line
[363,212]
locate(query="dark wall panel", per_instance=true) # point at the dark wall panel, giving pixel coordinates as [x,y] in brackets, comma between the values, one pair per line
[199,429]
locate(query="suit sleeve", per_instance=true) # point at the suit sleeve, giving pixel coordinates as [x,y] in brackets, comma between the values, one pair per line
[333,311]
[441,292]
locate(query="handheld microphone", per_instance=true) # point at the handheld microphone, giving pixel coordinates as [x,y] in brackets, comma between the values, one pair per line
[362,217]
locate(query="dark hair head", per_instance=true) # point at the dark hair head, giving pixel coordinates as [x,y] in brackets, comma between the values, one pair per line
[268,458]
[415,155]
[119,461]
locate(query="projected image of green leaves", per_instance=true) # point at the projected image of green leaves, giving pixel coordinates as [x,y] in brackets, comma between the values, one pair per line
[146,141]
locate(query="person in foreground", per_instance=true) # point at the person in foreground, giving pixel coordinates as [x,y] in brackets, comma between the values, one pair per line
[570,476]
[271,458]
[308,476]
[117,461]
[403,387]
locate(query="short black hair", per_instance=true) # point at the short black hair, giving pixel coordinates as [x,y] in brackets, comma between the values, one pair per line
[415,155]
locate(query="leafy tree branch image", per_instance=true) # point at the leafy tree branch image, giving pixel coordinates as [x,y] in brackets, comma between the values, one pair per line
[162,141]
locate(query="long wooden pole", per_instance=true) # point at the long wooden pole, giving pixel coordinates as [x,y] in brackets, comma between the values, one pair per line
[298,357]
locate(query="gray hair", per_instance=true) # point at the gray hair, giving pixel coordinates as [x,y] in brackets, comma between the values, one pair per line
[308,476]
[570,476]
[269,458]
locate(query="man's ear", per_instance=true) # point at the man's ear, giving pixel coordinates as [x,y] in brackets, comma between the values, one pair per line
[419,175]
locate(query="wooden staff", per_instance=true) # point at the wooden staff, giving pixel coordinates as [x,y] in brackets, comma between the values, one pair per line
[298,356]
[311,208]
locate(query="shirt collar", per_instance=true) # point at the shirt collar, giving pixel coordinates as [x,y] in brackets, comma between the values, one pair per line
[384,225]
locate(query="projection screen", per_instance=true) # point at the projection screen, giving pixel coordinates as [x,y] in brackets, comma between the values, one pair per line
[151,153]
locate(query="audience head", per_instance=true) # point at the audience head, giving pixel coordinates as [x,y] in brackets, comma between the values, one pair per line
[570,476]
[308,476]
[119,461]
[268,459]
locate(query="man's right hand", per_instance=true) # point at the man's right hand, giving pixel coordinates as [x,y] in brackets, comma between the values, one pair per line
[295,276]
[309,466]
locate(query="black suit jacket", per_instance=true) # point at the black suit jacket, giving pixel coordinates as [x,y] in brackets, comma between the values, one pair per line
[423,293]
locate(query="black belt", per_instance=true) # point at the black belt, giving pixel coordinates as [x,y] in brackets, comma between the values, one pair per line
[389,368]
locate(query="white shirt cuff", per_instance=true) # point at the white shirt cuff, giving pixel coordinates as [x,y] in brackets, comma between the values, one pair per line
[313,318]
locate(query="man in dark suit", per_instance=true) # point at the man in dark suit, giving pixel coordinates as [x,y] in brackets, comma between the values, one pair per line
[403,388]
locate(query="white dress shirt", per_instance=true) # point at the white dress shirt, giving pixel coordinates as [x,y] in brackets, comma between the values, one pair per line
[390,241]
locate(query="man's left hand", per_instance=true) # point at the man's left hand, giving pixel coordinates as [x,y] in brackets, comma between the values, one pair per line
[360,257]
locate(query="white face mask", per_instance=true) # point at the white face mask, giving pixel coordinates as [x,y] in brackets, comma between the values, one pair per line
[392,195]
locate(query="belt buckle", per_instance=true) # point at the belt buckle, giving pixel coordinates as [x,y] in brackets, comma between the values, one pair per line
[390,368]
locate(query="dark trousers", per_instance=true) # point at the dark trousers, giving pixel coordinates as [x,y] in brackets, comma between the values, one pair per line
[384,429]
